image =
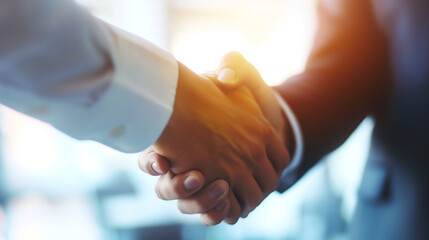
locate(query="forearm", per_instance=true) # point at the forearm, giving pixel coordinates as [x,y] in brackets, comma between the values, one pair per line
[51,48]
[343,81]
[86,78]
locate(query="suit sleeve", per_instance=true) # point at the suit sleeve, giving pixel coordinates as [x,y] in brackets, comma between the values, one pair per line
[88,79]
[344,80]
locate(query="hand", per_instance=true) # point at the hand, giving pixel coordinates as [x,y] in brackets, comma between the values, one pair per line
[222,135]
[235,71]
[188,187]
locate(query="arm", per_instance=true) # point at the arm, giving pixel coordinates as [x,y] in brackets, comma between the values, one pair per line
[341,85]
[170,186]
[343,81]
[92,81]
[63,66]
[225,136]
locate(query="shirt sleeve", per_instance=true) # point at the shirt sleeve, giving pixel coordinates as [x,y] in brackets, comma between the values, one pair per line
[88,79]
[290,175]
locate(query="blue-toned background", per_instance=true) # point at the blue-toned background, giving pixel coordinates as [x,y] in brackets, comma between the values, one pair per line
[53,187]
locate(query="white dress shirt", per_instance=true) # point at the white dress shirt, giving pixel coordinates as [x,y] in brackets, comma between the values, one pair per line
[88,79]
[91,80]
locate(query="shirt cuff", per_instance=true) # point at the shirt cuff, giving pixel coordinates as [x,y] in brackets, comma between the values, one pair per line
[85,77]
[131,113]
[290,174]
[139,102]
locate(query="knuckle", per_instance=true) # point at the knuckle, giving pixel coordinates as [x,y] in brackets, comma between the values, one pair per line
[258,199]
[255,201]
[181,207]
[235,55]
[234,213]
[210,220]
[225,185]
[269,182]
[200,207]
[272,186]
[177,190]
[159,192]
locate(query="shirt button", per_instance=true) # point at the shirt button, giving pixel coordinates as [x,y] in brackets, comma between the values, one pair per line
[117,131]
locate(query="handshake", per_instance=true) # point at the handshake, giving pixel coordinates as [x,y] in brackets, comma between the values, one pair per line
[225,145]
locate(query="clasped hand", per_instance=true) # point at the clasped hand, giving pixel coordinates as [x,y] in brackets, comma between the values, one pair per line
[223,148]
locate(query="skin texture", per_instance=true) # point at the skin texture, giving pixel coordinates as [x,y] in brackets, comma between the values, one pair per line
[234,71]
[245,74]
[219,135]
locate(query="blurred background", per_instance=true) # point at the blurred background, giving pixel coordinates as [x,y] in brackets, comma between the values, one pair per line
[53,187]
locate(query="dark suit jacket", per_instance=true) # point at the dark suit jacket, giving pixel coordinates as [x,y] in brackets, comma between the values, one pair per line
[371,58]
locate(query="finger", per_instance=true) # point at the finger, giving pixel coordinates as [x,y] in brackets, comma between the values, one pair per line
[266,177]
[210,74]
[228,78]
[206,199]
[235,70]
[216,215]
[152,163]
[247,75]
[171,187]
[234,209]
[232,65]
[248,194]
[277,154]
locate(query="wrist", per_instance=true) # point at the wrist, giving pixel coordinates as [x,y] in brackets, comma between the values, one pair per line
[195,106]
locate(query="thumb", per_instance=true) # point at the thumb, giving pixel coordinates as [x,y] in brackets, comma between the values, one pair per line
[228,79]
[234,70]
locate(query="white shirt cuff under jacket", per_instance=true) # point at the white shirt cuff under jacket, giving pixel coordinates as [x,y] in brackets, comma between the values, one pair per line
[134,110]
[290,174]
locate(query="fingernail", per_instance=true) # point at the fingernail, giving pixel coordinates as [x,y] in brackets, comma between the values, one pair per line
[156,168]
[220,206]
[245,214]
[227,75]
[191,182]
[216,191]
[231,220]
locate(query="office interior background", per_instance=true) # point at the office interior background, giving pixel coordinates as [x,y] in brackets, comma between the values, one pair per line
[54,187]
